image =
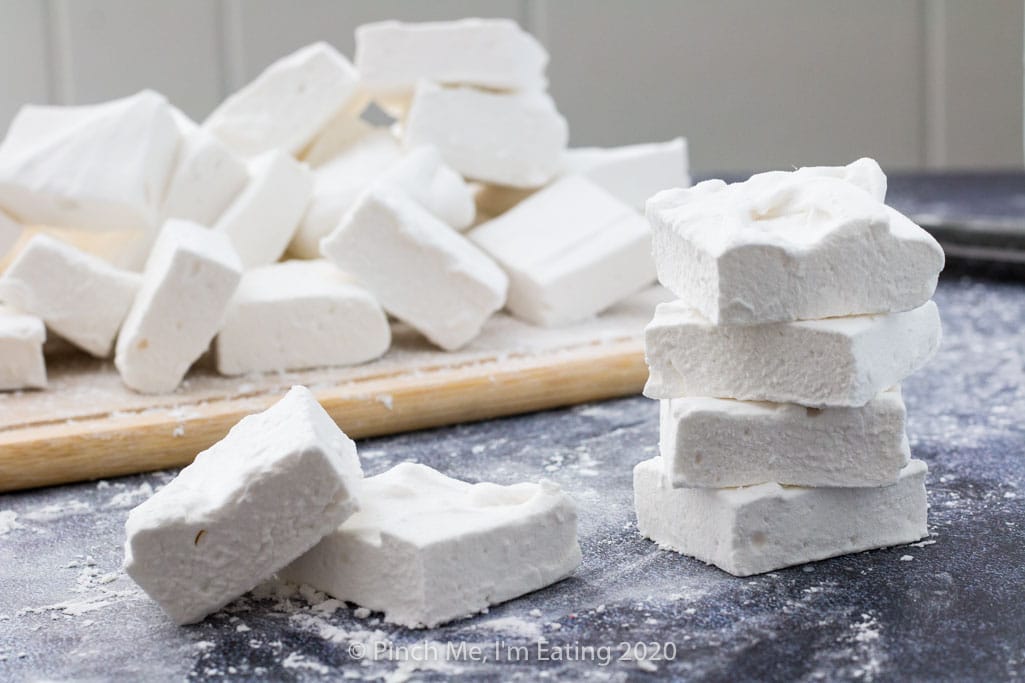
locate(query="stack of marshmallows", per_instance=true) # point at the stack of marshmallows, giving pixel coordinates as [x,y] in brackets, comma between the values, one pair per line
[803,302]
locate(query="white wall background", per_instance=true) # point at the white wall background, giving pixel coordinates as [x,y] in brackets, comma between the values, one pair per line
[754,84]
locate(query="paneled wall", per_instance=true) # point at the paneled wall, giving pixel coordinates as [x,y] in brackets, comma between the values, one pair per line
[753,84]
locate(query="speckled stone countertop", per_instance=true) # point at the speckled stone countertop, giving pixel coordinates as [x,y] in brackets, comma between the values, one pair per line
[949,608]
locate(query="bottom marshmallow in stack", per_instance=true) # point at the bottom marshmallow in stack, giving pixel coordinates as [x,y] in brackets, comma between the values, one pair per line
[802,453]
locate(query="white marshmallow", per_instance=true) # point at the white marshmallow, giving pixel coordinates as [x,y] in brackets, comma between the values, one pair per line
[571,250]
[715,443]
[103,167]
[864,173]
[22,365]
[263,219]
[337,185]
[832,362]
[635,172]
[299,314]
[489,53]
[288,103]
[757,529]
[207,176]
[442,191]
[10,232]
[515,139]
[79,296]
[251,503]
[189,279]
[789,246]
[422,271]
[342,135]
[425,548]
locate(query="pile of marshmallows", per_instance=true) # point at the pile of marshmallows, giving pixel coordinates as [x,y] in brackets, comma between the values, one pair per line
[803,302]
[283,493]
[287,167]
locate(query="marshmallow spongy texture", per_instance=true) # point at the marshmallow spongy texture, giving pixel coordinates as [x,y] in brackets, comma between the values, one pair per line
[814,243]
[296,315]
[715,443]
[495,54]
[570,250]
[56,169]
[756,529]
[425,548]
[79,296]
[189,279]
[21,351]
[420,269]
[515,139]
[817,363]
[289,103]
[250,504]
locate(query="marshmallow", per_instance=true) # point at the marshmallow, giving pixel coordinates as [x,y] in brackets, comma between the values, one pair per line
[263,219]
[207,176]
[10,232]
[571,250]
[299,314]
[789,246]
[442,191]
[288,103]
[426,549]
[489,53]
[757,529]
[714,443]
[864,173]
[103,167]
[22,365]
[189,279]
[422,271]
[635,172]
[515,139]
[339,137]
[832,362]
[337,185]
[79,296]
[251,503]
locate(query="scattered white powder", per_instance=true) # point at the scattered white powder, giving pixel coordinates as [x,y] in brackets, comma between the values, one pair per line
[906,558]
[130,497]
[387,400]
[8,521]
[361,613]
[49,513]
[297,660]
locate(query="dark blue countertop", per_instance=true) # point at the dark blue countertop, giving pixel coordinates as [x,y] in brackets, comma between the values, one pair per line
[946,609]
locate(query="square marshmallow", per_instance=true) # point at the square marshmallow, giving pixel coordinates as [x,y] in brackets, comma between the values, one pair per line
[791,246]
[79,296]
[818,363]
[296,315]
[633,173]
[715,443]
[250,504]
[756,529]
[189,279]
[263,218]
[425,548]
[515,139]
[22,365]
[570,250]
[289,103]
[420,269]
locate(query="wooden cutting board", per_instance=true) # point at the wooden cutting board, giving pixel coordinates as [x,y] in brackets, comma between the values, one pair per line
[87,425]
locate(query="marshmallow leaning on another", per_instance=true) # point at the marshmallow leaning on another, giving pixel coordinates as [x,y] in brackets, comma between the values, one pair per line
[570,250]
[189,279]
[420,269]
[296,315]
[263,219]
[79,296]
[817,363]
[633,173]
[515,139]
[425,548]
[22,365]
[289,103]
[251,503]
